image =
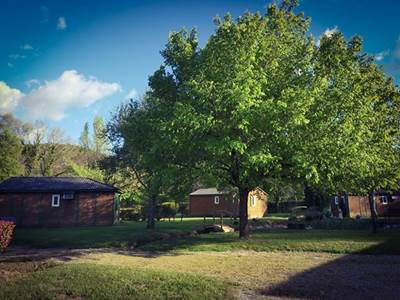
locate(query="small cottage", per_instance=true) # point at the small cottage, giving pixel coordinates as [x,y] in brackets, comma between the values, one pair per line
[356,206]
[56,201]
[210,202]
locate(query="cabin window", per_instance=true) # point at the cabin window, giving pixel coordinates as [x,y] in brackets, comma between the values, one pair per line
[253,200]
[68,196]
[336,200]
[55,200]
[216,199]
[384,200]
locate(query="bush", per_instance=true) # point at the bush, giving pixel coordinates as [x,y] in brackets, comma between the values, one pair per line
[168,210]
[131,214]
[346,223]
[6,233]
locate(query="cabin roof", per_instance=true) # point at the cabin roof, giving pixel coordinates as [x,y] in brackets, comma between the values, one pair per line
[53,184]
[208,191]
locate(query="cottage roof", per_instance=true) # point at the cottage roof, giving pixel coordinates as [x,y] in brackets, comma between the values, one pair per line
[209,191]
[53,184]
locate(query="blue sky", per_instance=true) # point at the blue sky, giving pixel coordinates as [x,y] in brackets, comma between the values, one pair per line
[63,62]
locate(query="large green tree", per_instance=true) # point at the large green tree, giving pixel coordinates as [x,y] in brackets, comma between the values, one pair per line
[10,151]
[238,102]
[351,143]
[262,101]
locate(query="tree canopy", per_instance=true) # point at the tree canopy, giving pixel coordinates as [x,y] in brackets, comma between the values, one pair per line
[261,100]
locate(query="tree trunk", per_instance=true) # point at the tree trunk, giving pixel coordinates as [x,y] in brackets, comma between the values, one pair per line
[371,201]
[151,213]
[243,213]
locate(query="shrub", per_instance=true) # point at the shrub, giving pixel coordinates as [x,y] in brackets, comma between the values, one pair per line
[131,214]
[6,233]
[346,223]
[168,210]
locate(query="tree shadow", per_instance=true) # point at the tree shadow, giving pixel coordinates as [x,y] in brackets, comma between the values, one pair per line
[347,277]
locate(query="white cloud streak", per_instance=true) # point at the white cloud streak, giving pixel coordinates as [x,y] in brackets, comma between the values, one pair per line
[381,55]
[328,33]
[61,23]
[53,98]
[132,94]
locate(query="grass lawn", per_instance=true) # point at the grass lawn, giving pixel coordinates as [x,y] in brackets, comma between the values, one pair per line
[96,281]
[312,264]
[331,241]
[204,275]
[97,236]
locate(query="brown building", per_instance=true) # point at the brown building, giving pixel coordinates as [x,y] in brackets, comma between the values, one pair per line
[56,201]
[210,202]
[354,206]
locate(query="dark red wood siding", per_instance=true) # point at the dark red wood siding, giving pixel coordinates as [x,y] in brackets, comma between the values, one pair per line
[35,210]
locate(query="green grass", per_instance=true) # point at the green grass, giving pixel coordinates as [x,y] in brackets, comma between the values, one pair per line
[324,240]
[97,236]
[330,241]
[95,281]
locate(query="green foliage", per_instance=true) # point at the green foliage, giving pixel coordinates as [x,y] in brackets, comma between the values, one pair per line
[168,210]
[82,171]
[132,213]
[84,139]
[99,139]
[10,152]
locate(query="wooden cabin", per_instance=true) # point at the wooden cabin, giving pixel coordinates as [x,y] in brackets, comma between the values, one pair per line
[56,201]
[210,202]
[354,206]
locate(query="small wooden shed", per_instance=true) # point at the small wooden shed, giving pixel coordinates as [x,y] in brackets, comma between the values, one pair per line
[56,201]
[387,204]
[210,202]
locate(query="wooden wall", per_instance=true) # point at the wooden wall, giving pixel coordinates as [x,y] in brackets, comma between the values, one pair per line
[35,210]
[204,206]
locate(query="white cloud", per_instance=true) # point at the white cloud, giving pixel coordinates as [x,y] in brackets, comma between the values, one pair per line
[328,33]
[132,94]
[71,89]
[32,82]
[27,47]
[381,55]
[9,98]
[10,65]
[45,13]
[61,23]
[16,56]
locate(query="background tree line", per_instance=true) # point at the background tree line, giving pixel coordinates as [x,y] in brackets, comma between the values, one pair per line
[38,150]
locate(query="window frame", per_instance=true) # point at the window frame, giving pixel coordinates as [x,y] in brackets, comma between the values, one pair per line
[216,200]
[253,200]
[53,200]
[337,202]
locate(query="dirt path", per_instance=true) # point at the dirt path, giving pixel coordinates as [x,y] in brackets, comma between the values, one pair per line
[259,275]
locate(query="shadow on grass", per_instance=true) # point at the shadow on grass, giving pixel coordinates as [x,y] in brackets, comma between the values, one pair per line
[348,277]
[331,241]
